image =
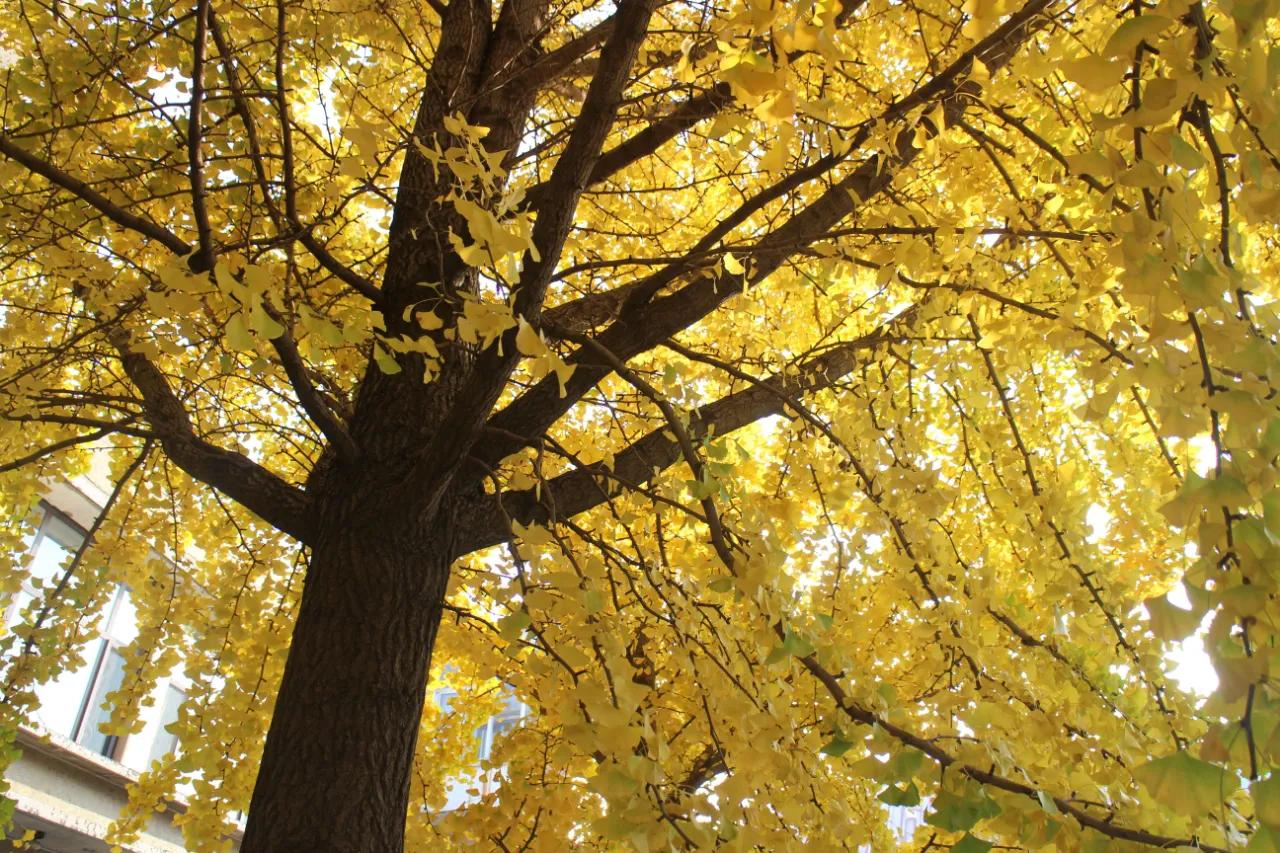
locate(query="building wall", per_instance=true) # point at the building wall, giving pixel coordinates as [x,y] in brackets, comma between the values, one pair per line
[70,782]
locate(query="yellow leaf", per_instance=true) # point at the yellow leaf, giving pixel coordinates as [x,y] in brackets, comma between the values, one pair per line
[1094,73]
[528,341]
[1187,785]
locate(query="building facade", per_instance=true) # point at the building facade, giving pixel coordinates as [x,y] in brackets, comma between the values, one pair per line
[70,782]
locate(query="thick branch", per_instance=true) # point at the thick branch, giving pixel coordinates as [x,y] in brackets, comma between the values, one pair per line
[195,138]
[581,489]
[696,109]
[558,61]
[555,218]
[643,324]
[649,140]
[93,198]
[284,506]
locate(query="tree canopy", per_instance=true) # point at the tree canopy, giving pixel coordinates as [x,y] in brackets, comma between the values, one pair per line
[800,406]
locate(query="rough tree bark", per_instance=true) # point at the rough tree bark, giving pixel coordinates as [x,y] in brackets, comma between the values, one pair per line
[335,773]
[335,770]
[386,526]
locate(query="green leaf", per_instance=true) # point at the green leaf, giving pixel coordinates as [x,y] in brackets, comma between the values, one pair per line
[970,844]
[721,584]
[1266,800]
[837,746]
[1186,784]
[264,325]
[895,796]
[1184,155]
[904,765]
[792,644]
[961,811]
[238,337]
[386,363]
[1264,840]
[509,627]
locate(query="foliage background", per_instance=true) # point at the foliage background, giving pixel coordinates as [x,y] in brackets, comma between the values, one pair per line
[1024,390]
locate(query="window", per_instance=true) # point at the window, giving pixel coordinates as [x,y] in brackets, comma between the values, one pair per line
[166,742]
[55,541]
[109,675]
[497,725]
[71,705]
[75,704]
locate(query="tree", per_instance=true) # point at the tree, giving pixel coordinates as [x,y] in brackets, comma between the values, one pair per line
[797,405]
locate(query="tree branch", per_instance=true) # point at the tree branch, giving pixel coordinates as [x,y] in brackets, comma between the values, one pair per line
[643,324]
[649,140]
[314,405]
[866,717]
[93,198]
[284,506]
[289,224]
[554,63]
[580,490]
[568,179]
[195,132]
[49,450]
[694,110]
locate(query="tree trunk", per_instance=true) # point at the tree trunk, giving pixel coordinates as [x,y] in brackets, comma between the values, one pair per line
[350,702]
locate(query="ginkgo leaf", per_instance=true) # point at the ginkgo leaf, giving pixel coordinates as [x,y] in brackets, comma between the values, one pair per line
[238,337]
[1184,155]
[1133,32]
[1095,73]
[1170,622]
[1187,784]
[528,341]
[510,626]
[959,811]
[837,746]
[792,645]
[894,795]
[945,336]
[970,844]
[1266,800]
[1265,839]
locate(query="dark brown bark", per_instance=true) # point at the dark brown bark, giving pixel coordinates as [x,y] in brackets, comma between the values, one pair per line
[335,772]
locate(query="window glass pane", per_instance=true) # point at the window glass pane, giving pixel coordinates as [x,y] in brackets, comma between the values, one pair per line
[62,531]
[13,615]
[49,560]
[122,626]
[482,742]
[503,724]
[62,699]
[167,742]
[110,677]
